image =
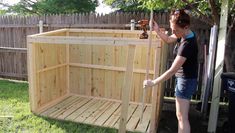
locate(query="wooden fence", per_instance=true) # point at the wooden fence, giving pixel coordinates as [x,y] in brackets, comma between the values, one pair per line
[14,29]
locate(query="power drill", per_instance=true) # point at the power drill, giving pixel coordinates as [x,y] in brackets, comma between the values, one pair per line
[143,25]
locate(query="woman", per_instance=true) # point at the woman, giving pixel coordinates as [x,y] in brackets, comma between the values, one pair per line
[184,66]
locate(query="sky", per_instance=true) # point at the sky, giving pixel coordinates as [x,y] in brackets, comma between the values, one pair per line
[102,8]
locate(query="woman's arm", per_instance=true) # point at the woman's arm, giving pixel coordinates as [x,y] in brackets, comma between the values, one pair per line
[178,62]
[167,39]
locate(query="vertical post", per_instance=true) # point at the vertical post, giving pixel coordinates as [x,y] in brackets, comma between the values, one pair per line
[40,26]
[147,64]
[67,65]
[157,90]
[210,71]
[132,24]
[218,67]
[126,89]
[32,76]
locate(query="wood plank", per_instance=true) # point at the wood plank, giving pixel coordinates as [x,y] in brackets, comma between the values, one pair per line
[109,75]
[142,126]
[31,60]
[127,88]
[73,108]
[65,107]
[89,111]
[51,68]
[111,68]
[113,118]
[49,33]
[81,76]
[13,49]
[131,110]
[88,72]
[98,75]
[103,31]
[137,76]
[157,92]
[80,110]
[101,120]
[53,103]
[134,120]
[59,105]
[94,116]
[113,41]
[67,66]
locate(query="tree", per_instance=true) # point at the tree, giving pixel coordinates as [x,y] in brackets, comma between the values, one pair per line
[206,10]
[27,7]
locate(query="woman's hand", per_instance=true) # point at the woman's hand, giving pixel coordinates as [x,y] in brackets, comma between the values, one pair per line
[148,83]
[155,26]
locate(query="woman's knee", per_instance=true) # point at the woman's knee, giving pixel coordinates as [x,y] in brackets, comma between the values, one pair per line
[181,117]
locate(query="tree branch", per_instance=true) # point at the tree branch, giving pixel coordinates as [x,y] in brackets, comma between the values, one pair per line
[215,12]
[204,18]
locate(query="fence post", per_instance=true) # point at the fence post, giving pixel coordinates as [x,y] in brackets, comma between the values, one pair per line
[132,24]
[40,26]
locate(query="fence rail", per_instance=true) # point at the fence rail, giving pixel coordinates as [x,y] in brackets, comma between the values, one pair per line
[14,29]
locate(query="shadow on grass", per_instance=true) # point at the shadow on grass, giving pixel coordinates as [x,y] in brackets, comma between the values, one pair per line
[73,127]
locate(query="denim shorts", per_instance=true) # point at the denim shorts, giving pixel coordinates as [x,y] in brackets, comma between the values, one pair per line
[185,88]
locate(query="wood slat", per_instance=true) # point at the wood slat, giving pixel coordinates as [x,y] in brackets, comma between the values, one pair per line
[57,106]
[101,120]
[134,120]
[80,110]
[95,115]
[98,111]
[113,68]
[131,110]
[142,126]
[89,111]
[65,107]
[73,108]
[113,41]
[113,118]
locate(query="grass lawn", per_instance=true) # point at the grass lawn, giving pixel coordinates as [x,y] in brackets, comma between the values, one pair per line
[15,115]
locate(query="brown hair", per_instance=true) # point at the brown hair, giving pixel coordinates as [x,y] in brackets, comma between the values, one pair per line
[180,18]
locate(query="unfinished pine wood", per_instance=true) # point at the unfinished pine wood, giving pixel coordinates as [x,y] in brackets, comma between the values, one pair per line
[94,116]
[94,68]
[100,112]
[87,40]
[73,108]
[32,77]
[131,110]
[157,90]
[104,67]
[101,120]
[127,89]
[67,65]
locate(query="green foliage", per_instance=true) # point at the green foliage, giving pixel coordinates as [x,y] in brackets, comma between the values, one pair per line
[2,12]
[53,6]
[198,8]
[124,5]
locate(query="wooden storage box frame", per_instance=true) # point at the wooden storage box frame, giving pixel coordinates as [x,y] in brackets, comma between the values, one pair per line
[87,75]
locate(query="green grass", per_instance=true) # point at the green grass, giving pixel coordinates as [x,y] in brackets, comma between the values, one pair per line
[14,101]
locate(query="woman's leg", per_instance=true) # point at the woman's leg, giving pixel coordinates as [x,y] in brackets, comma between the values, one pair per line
[182,109]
